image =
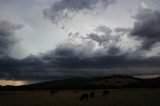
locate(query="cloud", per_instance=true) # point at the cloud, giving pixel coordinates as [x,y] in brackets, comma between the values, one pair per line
[104,35]
[7,39]
[78,53]
[147,27]
[66,59]
[54,66]
[104,51]
[65,9]
[25,69]
[91,56]
[98,55]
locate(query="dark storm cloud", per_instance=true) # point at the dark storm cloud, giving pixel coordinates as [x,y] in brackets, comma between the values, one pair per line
[67,8]
[70,60]
[72,56]
[7,39]
[24,69]
[65,63]
[147,27]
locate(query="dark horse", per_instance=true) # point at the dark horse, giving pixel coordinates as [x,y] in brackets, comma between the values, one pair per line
[52,92]
[84,97]
[106,92]
[92,94]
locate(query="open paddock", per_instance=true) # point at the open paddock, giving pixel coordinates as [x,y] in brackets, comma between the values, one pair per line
[117,97]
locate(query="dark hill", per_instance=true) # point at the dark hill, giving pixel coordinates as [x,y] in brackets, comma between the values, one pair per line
[113,82]
[110,82]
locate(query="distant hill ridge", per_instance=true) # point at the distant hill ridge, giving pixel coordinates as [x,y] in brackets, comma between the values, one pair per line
[109,82]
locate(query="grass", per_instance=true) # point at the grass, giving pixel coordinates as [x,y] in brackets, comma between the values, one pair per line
[123,97]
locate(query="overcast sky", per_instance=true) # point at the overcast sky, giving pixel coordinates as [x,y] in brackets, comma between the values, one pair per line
[49,39]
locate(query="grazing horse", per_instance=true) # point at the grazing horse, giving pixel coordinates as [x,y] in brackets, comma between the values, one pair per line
[84,97]
[52,92]
[106,92]
[92,94]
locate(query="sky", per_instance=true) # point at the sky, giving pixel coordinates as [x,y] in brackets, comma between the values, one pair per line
[53,39]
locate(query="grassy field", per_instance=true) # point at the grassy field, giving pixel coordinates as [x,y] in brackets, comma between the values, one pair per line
[123,97]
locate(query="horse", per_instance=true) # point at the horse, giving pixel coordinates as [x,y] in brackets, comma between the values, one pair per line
[106,92]
[84,97]
[92,94]
[52,92]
